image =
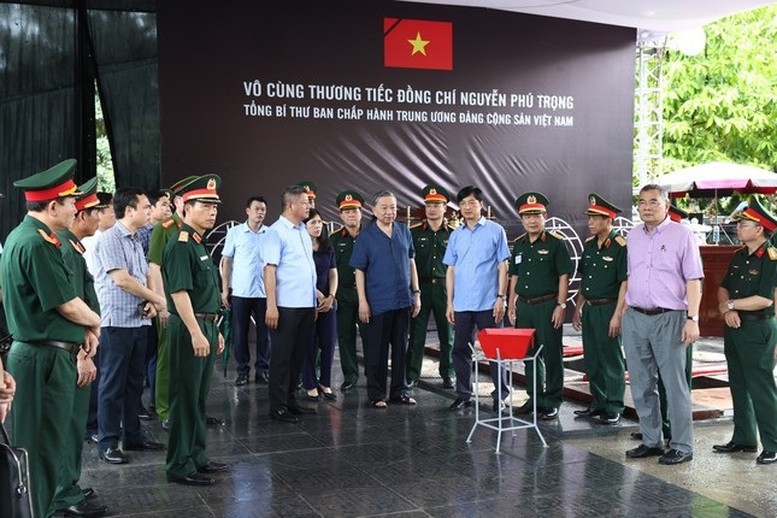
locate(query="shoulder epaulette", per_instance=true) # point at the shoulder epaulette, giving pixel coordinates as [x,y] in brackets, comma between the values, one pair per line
[556,235]
[772,253]
[416,225]
[620,240]
[333,234]
[519,237]
[50,238]
[169,223]
[183,236]
[590,238]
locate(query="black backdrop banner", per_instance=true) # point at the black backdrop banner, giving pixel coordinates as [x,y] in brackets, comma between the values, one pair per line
[270,94]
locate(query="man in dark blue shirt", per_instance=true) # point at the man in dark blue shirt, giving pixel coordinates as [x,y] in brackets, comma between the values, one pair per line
[387,286]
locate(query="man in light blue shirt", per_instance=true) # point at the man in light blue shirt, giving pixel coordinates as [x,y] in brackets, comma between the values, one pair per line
[290,284]
[242,288]
[476,282]
[127,307]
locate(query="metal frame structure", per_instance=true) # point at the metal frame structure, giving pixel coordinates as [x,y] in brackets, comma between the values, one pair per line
[649,108]
[504,423]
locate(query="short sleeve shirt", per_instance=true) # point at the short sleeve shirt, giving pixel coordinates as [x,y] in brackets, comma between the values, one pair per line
[385,262]
[475,254]
[244,246]
[539,265]
[430,249]
[603,268]
[119,249]
[35,282]
[752,274]
[290,249]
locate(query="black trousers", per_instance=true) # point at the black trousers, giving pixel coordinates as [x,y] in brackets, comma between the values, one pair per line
[384,330]
[289,341]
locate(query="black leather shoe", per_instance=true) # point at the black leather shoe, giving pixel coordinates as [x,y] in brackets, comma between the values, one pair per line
[195,479]
[242,379]
[447,383]
[145,445]
[92,437]
[213,467]
[85,508]
[637,436]
[146,414]
[609,417]
[732,447]
[767,457]
[673,457]
[525,409]
[459,404]
[411,384]
[346,386]
[548,413]
[113,456]
[297,409]
[642,451]
[283,415]
[214,421]
[89,493]
[166,425]
[588,412]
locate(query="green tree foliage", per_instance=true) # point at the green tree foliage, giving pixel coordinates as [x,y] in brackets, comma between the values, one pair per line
[105,178]
[722,104]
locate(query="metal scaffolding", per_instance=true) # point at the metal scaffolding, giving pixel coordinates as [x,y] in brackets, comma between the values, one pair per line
[649,107]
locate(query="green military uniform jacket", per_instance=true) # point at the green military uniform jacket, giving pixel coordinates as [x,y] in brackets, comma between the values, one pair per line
[539,265]
[33,268]
[73,256]
[603,270]
[162,234]
[430,249]
[752,274]
[343,242]
[187,266]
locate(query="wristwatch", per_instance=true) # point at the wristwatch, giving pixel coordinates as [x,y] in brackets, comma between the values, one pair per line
[694,318]
[562,305]
[730,305]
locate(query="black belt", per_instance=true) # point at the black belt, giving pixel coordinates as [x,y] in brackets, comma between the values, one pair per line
[70,347]
[433,280]
[599,302]
[751,316]
[651,312]
[210,317]
[537,300]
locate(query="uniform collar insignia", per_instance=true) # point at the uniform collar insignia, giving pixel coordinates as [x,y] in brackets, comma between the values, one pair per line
[78,246]
[49,238]
[760,252]
[197,238]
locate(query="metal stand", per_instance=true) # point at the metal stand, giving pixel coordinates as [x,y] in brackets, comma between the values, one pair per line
[505,423]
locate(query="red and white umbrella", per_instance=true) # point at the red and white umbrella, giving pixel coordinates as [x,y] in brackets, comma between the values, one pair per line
[718,178]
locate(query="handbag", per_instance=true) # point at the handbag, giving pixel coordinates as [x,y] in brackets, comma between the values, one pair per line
[15,495]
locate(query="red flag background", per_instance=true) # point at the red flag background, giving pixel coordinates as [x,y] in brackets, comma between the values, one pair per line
[398,51]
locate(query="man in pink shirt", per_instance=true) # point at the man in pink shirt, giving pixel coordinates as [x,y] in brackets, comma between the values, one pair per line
[662,318]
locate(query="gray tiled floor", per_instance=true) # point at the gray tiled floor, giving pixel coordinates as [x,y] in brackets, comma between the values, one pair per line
[352,460]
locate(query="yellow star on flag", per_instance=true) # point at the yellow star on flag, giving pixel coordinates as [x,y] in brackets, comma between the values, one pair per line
[419,45]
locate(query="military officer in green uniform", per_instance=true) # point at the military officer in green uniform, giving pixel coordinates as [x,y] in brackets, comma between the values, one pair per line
[162,234]
[50,325]
[350,205]
[430,237]
[746,301]
[70,498]
[311,189]
[192,287]
[598,308]
[539,277]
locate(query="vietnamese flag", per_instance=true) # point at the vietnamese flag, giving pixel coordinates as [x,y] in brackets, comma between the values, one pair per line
[417,44]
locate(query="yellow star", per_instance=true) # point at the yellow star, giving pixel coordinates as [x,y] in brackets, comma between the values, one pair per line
[419,45]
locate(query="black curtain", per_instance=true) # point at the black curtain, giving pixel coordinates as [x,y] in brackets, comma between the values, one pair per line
[37,97]
[51,53]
